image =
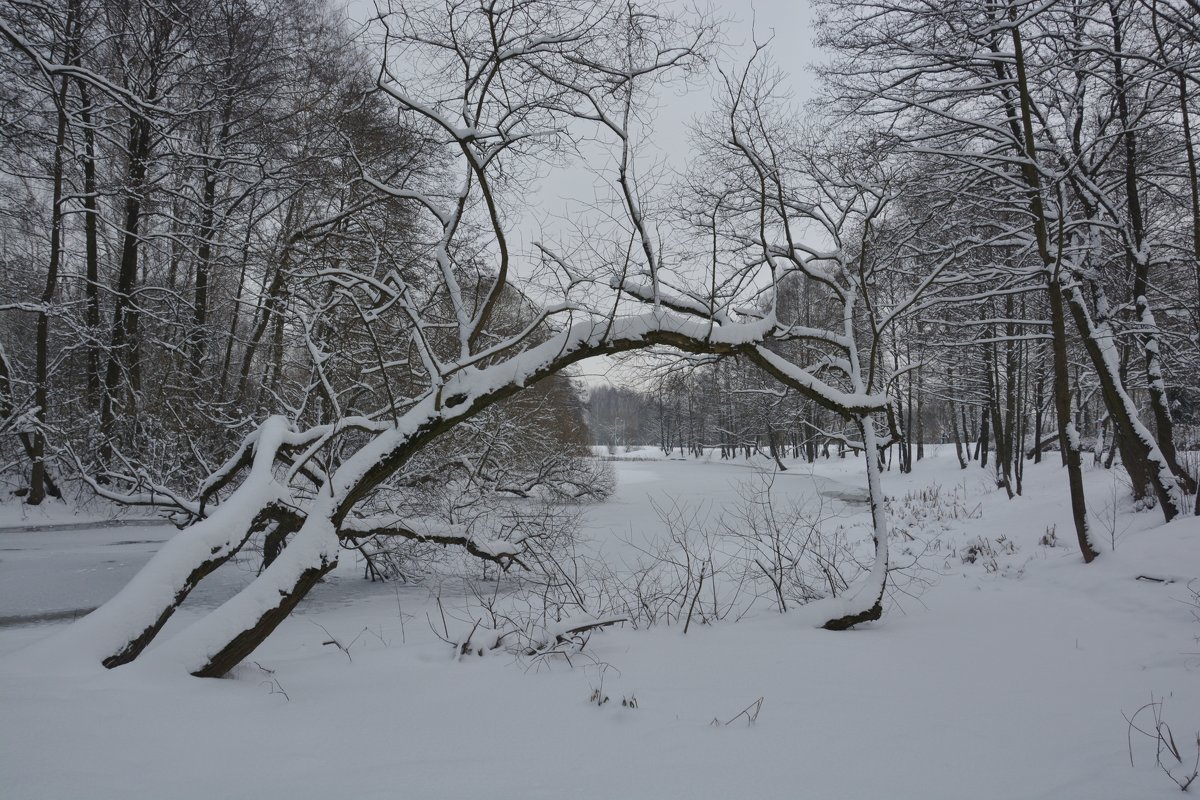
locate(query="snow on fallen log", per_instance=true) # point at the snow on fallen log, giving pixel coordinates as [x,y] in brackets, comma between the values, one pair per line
[119,630]
[213,645]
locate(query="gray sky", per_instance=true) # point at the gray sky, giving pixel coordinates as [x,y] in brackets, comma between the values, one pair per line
[788,26]
[786,23]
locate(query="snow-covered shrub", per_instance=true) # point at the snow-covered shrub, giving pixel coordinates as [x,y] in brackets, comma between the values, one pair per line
[518,620]
[931,506]
[513,477]
[1194,587]
[533,530]
[790,545]
[987,552]
[713,564]
[1050,537]
[1108,518]
[684,578]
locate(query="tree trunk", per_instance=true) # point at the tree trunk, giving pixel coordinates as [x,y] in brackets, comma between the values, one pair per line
[199,343]
[1008,430]
[1098,341]
[1068,437]
[959,450]
[1138,259]
[121,629]
[877,582]
[91,223]
[124,328]
[1039,407]
[984,444]
[37,481]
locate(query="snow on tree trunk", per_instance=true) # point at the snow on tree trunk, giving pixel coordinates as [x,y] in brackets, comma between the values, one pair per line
[217,642]
[1099,342]
[866,604]
[118,631]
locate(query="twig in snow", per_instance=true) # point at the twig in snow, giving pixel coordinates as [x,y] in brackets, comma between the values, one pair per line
[750,712]
[333,641]
[272,682]
[1164,744]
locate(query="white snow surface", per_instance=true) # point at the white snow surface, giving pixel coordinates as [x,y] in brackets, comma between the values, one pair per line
[991,684]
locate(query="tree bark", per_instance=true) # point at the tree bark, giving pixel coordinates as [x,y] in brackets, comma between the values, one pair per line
[91,222]
[38,485]
[1068,437]
[125,310]
[877,582]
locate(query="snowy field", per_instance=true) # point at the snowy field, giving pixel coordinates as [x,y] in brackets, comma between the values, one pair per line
[1002,678]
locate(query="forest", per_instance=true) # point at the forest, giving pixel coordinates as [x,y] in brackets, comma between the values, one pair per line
[282,283]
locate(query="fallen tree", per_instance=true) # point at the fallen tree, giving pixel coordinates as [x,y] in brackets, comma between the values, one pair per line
[398,359]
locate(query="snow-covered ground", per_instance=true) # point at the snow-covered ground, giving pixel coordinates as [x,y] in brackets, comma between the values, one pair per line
[1000,679]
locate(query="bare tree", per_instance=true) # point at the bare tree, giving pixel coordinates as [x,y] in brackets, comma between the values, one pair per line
[504,88]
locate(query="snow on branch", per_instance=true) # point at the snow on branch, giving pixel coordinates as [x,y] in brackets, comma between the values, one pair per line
[499,551]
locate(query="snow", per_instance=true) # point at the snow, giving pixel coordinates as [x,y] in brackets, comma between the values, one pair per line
[992,683]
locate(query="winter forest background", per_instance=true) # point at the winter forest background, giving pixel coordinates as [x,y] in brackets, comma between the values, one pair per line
[411,291]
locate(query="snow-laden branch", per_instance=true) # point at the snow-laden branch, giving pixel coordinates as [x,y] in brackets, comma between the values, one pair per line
[502,552]
[117,632]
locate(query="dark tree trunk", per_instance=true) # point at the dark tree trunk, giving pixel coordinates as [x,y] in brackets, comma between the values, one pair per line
[244,643]
[984,445]
[959,449]
[39,487]
[91,222]
[121,356]
[199,343]
[1194,186]
[1068,439]
[1039,407]
[1138,260]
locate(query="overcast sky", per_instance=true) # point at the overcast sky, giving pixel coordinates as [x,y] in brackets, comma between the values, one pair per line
[788,25]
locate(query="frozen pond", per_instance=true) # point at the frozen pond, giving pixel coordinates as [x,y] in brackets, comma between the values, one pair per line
[57,573]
